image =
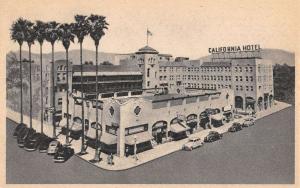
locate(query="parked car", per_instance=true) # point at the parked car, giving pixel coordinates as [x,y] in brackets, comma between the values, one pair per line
[235,127]
[44,145]
[237,116]
[25,134]
[248,122]
[32,143]
[53,147]
[212,136]
[19,129]
[192,143]
[63,154]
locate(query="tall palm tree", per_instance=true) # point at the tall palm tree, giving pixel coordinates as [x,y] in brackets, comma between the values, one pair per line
[30,36]
[18,35]
[66,36]
[52,36]
[80,30]
[40,29]
[97,26]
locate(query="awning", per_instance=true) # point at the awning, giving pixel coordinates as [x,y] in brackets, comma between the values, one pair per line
[217,117]
[177,128]
[91,133]
[140,138]
[191,120]
[108,139]
[227,108]
[76,126]
[249,100]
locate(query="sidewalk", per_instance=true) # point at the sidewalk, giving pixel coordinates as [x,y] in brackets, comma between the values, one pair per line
[144,157]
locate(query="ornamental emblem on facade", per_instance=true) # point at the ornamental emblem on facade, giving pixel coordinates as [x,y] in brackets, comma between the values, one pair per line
[137,110]
[111,111]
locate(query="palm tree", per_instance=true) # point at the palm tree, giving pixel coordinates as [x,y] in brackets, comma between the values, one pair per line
[97,26]
[52,36]
[30,36]
[40,29]
[18,35]
[66,36]
[81,29]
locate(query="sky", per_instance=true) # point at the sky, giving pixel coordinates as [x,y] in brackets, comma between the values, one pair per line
[181,28]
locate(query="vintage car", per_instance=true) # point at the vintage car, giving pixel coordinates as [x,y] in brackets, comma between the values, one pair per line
[63,154]
[248,122]
[19,129]
[192,143]
[33,142]
[53,147]
[235,127]
[24,135]
[44,145]
[212,136]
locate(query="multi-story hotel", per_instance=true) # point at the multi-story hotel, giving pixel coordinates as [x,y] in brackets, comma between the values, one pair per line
[250,76]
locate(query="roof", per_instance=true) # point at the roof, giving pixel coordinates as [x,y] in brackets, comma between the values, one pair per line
[105,68]
[147,50]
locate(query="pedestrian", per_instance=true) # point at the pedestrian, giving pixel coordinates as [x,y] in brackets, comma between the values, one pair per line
[108,159]
[126,151]
[112,159]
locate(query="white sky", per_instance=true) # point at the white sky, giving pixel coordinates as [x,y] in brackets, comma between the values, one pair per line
[181,28]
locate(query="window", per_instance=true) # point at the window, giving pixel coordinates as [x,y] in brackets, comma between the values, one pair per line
[247,78]
[236,69]
[59,102]
[251,69]
[240,69]
[237,88]
[251,88]
[148,83]
[229,86]
[251,78]
[148,72]
[160,77]
[246,69]
[241,78]
[241,88]
[229,78]
[236,78]
[247,88]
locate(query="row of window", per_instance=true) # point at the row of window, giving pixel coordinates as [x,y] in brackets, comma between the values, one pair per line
[247,78]
[240,69]
[215,86]
[241,88]
[207,77]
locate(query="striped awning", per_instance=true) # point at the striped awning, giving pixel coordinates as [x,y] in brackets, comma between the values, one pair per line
[177,128]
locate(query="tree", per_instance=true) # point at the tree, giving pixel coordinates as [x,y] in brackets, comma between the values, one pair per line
[40,29]
[17,33]
[80,30]
[66,36]
[30,37]
[97,26]
[52,36]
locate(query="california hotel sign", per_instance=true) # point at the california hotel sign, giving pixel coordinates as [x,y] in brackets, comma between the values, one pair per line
[234,49]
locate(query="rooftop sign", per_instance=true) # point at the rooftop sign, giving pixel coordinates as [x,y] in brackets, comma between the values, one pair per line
[230,49]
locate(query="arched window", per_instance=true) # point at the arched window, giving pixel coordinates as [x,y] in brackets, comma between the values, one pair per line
[148,72]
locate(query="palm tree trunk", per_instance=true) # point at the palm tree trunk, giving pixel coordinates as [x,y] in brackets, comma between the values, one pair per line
[53,93]
[21,89]
[30,88]
[97,154]
[42,105]
[67,92]
[82,104]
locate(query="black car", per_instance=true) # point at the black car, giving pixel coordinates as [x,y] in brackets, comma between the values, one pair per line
[235,127]
[24,135]
[43,147]
[19,129]
[63,154]
[212,136]
[33,142]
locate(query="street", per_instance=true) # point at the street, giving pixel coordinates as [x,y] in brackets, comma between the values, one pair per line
[261,154]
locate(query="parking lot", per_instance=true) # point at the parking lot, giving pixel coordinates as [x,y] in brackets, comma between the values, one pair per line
[263,153]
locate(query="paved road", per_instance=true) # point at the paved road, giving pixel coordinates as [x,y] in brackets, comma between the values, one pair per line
[260,154]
